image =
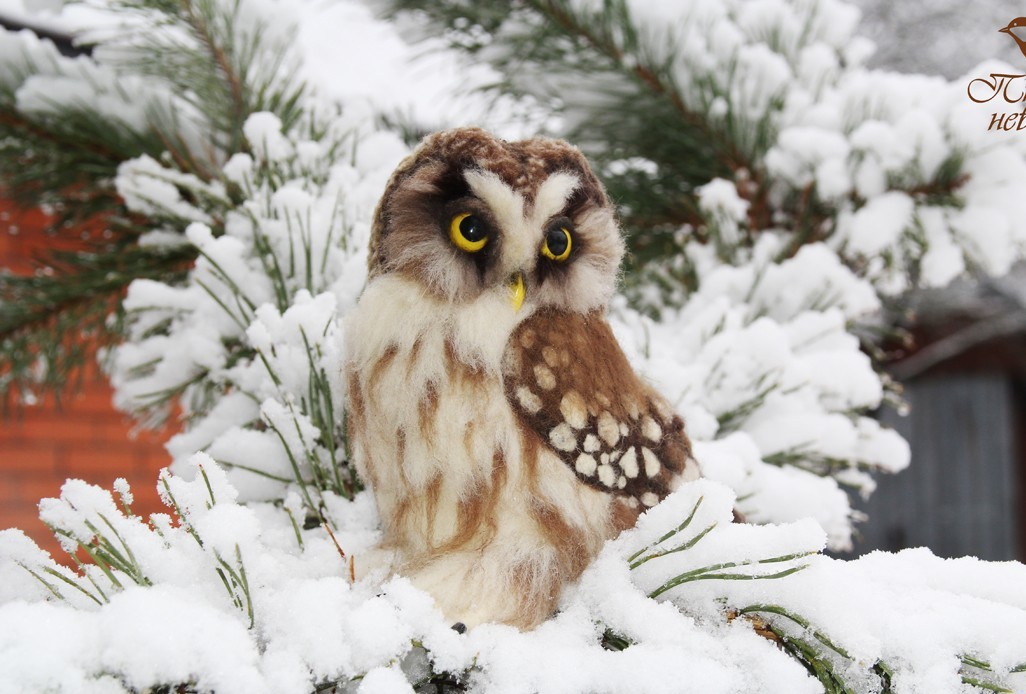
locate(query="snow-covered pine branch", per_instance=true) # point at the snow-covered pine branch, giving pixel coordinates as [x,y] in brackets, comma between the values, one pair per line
[155,82]
[249,347]
[230,597]
[757,268]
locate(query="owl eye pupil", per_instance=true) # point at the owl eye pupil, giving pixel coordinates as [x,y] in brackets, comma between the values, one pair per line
[557,241]
[471,229]
[468,233]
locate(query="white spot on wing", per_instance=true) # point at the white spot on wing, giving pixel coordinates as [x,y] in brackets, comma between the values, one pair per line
[608,429]
[607,475]
[546,379]
[662,408]
[528,400]
[649,499]
[573,410]
[591,443]
[650,429]
[651,462]
[562,437]
[585,464]
[629,463]
[550,355]
[691,471]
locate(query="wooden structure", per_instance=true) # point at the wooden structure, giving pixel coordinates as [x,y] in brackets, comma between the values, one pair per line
[965,492]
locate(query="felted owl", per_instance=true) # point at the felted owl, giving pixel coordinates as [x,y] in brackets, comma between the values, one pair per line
[492,413]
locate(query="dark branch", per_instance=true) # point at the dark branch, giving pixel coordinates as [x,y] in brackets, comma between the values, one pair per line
[64,42]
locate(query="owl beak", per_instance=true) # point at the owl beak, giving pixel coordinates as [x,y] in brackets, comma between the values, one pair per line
[517,290]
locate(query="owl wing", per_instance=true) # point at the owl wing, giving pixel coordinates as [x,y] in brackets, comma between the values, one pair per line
[571,385]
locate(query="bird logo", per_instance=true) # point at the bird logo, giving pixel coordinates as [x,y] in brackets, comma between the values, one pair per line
[1010,87]
[1017,23]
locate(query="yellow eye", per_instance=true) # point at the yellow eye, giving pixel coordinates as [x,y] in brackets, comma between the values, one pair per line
[557,244]
[468,232]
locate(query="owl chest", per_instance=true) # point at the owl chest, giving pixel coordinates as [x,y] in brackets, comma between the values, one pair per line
[438,420]
[431,426]
[433,447]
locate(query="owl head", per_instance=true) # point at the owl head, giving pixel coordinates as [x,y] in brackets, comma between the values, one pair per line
[468,214]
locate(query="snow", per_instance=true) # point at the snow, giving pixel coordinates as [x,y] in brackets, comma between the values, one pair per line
[424,84]
[802,151]
[720,200]
[914,612]
[263,130]
[156,190]
[878,224]
[314,226]
[385,680]
[760,354]
[943,260]
[761,359]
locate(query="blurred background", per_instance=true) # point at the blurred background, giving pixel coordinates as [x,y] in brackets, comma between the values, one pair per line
[963,493]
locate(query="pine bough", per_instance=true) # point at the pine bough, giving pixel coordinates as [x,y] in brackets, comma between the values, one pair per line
[747,315]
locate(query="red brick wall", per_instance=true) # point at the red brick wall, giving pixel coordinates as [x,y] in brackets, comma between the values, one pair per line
[86,438]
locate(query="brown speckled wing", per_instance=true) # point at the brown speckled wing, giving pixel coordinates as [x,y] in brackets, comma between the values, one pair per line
[571,384]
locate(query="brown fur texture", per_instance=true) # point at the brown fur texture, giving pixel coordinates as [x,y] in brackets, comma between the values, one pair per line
[503,444]
[472,504]
[431,185]
[572,385]
[433,174]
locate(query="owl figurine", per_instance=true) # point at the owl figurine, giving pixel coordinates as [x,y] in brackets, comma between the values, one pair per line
[492,413]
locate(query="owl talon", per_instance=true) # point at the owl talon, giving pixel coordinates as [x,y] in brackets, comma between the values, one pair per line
[459,628]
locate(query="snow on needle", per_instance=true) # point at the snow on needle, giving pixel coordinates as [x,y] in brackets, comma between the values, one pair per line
[294,463]
[92,551]
[171,501]
[974,679]
[683,525]
[295,526]
[713,572]
[126,562]
[797,619]
[206,481]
